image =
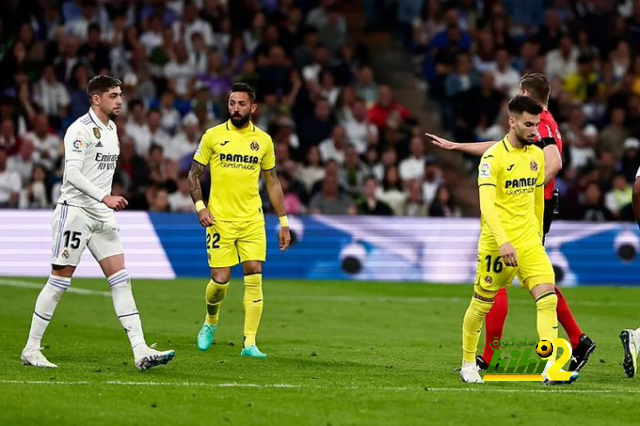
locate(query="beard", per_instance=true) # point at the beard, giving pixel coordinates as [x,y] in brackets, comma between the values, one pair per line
[239,120]
[113,114]
[525,141]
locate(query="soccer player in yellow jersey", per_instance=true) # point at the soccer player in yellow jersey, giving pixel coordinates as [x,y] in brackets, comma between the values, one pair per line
[511,184]
[237,152]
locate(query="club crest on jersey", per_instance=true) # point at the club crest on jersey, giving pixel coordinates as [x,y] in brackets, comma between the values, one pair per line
[65,253]
[96,132]
[534,166]
[77,145]
[488,279]
[254,146]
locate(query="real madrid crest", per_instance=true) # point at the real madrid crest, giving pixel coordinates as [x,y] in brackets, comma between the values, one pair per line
[96,132]
[534,166]
[254,146]
[65,253]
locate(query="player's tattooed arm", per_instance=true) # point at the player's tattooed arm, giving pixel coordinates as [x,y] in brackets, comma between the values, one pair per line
[275,191]
[195,174]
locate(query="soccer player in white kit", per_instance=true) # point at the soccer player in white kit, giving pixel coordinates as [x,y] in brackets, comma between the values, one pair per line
[631,338]
[84,217]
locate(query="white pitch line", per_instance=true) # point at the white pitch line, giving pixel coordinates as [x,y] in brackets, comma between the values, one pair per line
[35,286]
[482,389]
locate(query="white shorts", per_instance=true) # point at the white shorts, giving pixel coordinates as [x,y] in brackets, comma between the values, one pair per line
[74,230]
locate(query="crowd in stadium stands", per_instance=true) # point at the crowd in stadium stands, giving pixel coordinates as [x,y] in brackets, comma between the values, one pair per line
[473,57]
[343,144]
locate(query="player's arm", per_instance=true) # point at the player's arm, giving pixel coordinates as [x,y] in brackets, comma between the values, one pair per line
[205,217]
[539,197]
[487,181]
[636,199]
[472,148]
[552,159]
[276,196]
[201,158]
[75,147]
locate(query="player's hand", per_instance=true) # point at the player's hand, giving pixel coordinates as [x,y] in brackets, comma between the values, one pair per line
[509,255]
[285,238]
[441,142]
[115,202]
[205,218]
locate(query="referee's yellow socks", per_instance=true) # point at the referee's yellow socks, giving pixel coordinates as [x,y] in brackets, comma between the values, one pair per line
[253,304]
[471,327]
[547,318]
[214,295]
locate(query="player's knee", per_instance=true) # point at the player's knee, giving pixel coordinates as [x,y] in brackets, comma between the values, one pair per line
[119,280]
[252,268]
[58,285]
[221,275]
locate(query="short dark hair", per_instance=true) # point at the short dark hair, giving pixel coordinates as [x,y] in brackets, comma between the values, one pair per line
[537,85]
[244,87]
[521,104]
[101,84]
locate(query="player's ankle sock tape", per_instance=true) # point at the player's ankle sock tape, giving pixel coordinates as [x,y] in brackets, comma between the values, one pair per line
[471,326]
[547,318]
[214,295]
[253,304]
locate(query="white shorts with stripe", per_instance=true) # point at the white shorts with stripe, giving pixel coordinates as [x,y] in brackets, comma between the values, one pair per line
[74,230]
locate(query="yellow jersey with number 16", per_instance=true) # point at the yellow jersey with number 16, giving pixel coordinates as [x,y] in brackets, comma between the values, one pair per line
[235,158]
[516,174]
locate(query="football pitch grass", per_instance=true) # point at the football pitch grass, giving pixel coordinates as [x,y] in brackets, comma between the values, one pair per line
[339,353]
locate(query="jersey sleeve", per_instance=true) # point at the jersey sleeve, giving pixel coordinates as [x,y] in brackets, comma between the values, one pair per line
[76,142]
[205,150]
[488,170]
[269,158]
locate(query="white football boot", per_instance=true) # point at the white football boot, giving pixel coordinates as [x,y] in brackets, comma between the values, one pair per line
[35,358]
[470,374]
[148,358]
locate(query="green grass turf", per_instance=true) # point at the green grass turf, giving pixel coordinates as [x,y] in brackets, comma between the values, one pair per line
[339,353]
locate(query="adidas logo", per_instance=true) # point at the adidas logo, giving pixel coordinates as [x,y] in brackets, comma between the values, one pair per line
[99,144]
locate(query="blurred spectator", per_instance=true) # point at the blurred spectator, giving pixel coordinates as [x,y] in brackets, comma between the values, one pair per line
[9,183]
[185,142]
[592,206]
[52,96]
[385,105]
[36,193]
[614,134]
[369,204]
[312,171]
[22,162]
[292,201]
[392,192]
[432,180]
[334,148]
[9,141]
[351,172]
[562,61]
[180,200]
[414,205]
[444,205]
[412,167]
[618,199]
[360,131]
[331,201]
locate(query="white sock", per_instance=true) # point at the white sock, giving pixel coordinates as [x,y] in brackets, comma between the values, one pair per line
[636,335]
[45,306]
[125,307]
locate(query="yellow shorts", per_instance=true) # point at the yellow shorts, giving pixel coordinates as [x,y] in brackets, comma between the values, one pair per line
[534,268]
[230,243]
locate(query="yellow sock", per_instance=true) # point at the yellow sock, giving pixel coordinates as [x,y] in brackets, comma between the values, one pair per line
[471,327]
[252,307]
[214,295]
[547,319]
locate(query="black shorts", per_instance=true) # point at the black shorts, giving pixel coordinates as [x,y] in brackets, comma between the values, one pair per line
[548,216]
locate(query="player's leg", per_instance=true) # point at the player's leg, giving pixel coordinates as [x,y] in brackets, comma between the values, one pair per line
[70,233]
[222,254]
[252,247]
[536,274]
[491,276]
[581,344]
[106,247]
[494,327]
